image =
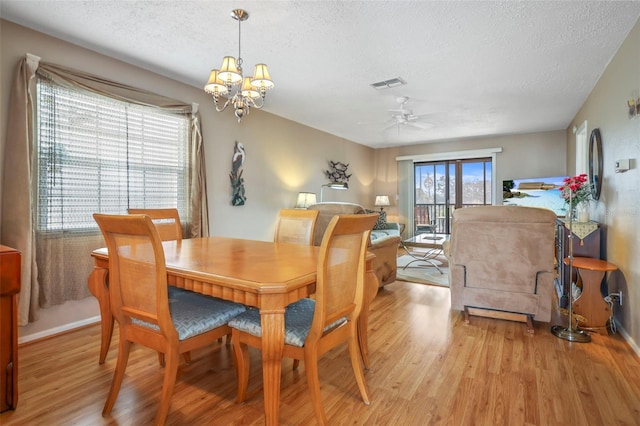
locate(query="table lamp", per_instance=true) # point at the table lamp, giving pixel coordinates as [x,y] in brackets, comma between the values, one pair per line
[305,199]
[382,201]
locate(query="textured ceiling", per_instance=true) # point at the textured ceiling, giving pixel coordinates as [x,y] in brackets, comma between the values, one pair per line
[472,68]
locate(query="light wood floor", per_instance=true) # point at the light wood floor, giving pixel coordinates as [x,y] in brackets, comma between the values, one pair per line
[428,367]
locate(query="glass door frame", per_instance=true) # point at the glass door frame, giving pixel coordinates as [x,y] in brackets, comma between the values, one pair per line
[436,216]
[406,178]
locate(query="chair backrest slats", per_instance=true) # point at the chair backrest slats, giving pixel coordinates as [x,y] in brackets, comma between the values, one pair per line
[167,222]
[296,226]
[137,271]
[341,270]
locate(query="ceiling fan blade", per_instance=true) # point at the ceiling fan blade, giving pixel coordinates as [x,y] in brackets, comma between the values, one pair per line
[402,111]
[419,116]
[419,125]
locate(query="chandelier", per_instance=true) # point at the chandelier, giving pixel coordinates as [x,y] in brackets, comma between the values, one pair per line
[241,92]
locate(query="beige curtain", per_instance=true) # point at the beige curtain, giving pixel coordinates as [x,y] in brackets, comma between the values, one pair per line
[406,186]
[199,204]
[63,275]
[17,197]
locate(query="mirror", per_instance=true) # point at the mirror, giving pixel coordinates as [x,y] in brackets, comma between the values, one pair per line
[595,162]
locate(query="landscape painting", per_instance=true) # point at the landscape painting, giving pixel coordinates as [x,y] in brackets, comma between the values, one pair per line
[535,192]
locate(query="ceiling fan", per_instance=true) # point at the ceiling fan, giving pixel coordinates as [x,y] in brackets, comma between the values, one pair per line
[403,116]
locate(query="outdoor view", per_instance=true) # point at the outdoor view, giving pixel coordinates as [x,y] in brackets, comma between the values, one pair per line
[440,187]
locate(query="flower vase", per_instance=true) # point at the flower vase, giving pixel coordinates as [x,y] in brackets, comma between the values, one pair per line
[582,210]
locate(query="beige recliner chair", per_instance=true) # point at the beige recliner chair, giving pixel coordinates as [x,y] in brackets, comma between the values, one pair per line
[501,261]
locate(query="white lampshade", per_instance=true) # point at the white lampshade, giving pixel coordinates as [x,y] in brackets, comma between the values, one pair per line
[248,90]
[261,78]
[229,71]
[305,199]
[215,85]
[382,201]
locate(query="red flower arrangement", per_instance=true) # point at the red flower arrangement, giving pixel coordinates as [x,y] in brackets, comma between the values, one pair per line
[576,189]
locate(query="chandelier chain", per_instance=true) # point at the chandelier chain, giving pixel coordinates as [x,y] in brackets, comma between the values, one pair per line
[239,45]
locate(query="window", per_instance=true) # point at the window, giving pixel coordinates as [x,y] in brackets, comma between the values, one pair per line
[97,154]
[442,186]
[582,152]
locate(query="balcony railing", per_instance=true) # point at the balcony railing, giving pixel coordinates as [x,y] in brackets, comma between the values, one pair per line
[436,215]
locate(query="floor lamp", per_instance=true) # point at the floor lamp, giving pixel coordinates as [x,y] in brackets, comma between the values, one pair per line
[334,185]
[570,333]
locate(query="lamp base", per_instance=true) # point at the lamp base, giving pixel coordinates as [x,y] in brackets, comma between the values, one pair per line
[570,334]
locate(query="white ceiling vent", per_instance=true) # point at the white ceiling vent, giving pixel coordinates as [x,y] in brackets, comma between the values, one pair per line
[388,84]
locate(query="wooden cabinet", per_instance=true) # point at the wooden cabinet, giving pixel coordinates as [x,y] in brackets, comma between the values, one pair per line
[9,289]
[586,243]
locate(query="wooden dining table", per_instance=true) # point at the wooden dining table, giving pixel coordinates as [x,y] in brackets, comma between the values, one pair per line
[265,275]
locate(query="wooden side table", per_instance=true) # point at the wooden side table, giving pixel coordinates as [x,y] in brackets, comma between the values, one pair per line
[590,303]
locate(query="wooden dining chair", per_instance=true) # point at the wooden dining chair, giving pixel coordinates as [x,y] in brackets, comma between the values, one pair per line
[296,226]
[313,327]
[167,222]
[139,298]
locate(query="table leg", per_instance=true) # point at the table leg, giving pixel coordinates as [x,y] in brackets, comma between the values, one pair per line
[427,257]
[272,322]
[99,287]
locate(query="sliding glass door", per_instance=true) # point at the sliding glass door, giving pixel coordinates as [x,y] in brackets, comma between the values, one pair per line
[442,186]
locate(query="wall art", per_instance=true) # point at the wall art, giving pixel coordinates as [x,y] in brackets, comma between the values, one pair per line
[633,104]
[338,172]
[237,181]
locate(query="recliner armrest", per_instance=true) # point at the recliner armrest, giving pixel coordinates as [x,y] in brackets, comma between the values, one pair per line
[393,225]
[446,248]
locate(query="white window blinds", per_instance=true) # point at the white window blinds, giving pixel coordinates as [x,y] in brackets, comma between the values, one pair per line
[97,154]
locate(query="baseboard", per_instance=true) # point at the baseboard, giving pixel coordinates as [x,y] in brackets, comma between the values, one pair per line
[58,330]
[628,338]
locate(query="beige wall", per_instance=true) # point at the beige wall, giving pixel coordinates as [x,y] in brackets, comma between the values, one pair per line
[619,206]
[283,157]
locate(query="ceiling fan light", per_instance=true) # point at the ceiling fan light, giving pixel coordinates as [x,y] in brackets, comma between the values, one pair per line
[229,72]
[215,85]
[261,78]
[248,90]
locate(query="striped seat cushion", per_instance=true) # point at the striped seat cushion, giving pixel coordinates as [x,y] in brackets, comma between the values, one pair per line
[194,313]
[297,322]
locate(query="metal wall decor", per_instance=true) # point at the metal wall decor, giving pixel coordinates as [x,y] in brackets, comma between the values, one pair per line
[338,172]
[237,181]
